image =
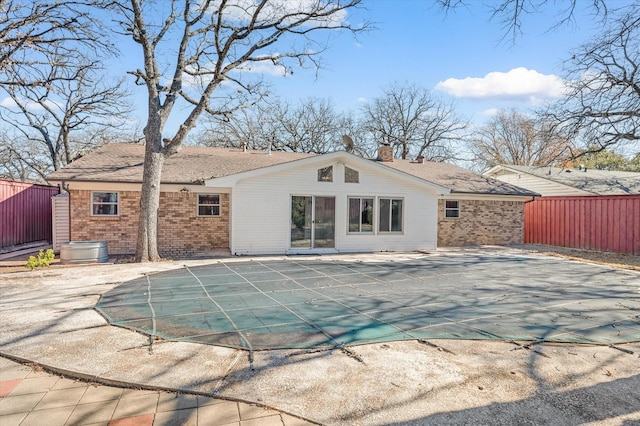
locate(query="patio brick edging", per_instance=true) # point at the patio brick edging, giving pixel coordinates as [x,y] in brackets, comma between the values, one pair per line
[91,378]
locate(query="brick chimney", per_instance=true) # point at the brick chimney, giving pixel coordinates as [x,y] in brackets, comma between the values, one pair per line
[420,159]
[385,153]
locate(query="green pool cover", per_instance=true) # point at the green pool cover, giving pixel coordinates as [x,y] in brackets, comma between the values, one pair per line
[304,303]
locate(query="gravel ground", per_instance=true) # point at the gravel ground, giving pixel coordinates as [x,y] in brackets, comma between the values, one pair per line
[616,260]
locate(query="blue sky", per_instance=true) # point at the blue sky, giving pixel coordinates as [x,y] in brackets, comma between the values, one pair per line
[461,56]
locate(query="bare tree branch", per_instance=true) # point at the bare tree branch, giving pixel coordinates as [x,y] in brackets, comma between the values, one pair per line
[71,101]
[414,123]
[510,137]
[32,33]
[312,126]
[201,44]
[602,104]
[511,14]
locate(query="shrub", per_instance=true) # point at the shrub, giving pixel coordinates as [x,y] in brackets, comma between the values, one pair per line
[44,258]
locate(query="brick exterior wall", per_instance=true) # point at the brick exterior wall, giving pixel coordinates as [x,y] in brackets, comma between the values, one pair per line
[181,232]
[482,222]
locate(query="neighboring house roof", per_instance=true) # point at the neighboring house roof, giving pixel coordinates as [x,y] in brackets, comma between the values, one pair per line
[458,179]
[119,162]
[574,181]
[124,163]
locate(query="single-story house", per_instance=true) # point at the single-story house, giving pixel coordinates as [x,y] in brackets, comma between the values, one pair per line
[557,181]
[257,202]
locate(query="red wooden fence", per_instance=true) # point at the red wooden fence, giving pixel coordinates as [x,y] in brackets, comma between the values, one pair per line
[604,223]
[25,212]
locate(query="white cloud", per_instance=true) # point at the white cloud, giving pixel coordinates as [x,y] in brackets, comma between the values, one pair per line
[519,84]
[8,103]
[243,11]
[266,67]
[263,67]
[29,105]
[363,100]
[490,112]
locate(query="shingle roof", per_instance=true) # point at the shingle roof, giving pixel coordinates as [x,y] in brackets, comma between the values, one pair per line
[457,179]
[123,163]
[598,182]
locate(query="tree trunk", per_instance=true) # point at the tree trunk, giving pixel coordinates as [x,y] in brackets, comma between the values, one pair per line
[147,243]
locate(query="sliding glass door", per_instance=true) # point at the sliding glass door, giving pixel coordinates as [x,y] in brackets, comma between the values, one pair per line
[313,222]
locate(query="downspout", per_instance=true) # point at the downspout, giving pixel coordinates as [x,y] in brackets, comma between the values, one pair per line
[69,208]
[524,232]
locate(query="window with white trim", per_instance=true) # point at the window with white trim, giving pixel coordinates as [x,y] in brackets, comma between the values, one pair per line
[104,203]
[208,205]
[360,215]
[390,215]
[451,209]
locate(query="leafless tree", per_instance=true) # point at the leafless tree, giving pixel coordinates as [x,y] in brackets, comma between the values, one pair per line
[195,52]
[65,116]
[48,76]
[602,104]
[34,34]
[511,14]
[414,122]
[237,129]
[312,126]
[511,137]
[260,126]
[25,164]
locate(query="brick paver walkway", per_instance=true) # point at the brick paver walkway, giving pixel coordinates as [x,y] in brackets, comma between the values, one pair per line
[29,396]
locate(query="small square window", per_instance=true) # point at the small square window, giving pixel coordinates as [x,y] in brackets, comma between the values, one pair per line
[351,176]
[104,204]
[325,174]
[208,205]
[452,209]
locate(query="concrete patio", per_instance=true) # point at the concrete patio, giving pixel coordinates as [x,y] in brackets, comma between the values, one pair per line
[47,317]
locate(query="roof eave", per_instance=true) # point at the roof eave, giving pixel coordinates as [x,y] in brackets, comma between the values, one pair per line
[500,194]
[121,181]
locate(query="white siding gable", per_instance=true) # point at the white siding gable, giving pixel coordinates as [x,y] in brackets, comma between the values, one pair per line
[261,207]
